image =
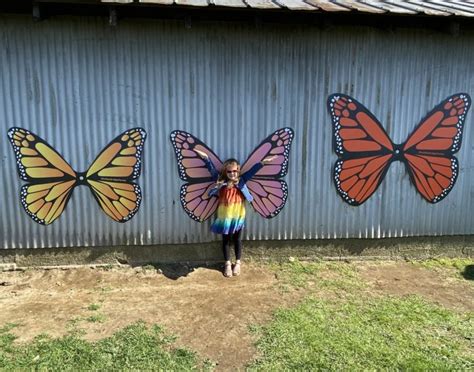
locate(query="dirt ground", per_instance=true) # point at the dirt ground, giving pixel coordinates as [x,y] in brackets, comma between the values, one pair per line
[208,313]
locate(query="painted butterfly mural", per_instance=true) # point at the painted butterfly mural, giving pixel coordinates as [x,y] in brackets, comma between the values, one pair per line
[51,180]
[268,190]
[365,150]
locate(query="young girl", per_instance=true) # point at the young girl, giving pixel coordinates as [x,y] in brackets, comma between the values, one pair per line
[232,192]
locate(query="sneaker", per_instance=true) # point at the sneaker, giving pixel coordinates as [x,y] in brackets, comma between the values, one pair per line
[236,270]
[227,270]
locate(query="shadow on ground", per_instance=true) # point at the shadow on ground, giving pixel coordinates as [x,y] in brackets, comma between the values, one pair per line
[178,270]
[468,272]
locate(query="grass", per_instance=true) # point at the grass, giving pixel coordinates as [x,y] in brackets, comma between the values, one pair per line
[335,276]
[357,331]
[462,267]
[93,307]
[96,318]
[136,347]
[370,334]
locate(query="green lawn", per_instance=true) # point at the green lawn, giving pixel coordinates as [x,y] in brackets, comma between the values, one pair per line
[136,347]
[366,334]
[348,329]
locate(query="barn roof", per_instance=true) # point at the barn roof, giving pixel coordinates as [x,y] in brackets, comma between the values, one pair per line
[434,8]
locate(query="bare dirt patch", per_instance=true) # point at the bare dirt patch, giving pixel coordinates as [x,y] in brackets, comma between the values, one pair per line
[209,314]
[402,279]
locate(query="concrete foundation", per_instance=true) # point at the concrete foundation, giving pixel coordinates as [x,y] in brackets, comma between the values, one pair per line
[338,249]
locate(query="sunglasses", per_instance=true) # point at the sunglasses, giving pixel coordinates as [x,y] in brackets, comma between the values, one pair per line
[232,171]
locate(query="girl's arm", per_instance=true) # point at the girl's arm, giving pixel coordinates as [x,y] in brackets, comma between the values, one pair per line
[209,165]
[215,190]
[214,174]
[252,171]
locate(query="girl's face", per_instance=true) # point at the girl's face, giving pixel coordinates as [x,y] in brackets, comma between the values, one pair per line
[233,172]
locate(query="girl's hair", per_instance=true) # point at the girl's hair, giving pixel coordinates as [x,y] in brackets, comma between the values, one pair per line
[223,174]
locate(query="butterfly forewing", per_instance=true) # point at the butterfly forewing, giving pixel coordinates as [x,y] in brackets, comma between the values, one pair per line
[357,132]
[36,160]
[121,159]
[276,144]
[190,165]
[440,132]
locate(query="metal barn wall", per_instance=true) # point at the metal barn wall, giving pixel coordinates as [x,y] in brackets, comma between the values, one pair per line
[78,83]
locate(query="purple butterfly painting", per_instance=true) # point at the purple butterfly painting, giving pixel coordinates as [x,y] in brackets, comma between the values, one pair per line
[268,190]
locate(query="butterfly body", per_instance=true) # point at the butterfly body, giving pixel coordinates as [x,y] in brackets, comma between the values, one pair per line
[268,192]
[365,150]
[51,180]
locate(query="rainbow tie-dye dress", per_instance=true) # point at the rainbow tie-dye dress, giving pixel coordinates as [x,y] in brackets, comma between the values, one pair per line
[230,212]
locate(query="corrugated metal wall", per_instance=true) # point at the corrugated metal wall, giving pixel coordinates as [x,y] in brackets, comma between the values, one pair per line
[78,83]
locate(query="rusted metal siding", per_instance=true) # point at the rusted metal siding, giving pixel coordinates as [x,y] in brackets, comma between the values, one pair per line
[78,83]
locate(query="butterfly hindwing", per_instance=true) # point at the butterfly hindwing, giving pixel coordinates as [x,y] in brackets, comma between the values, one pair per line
[269,196]
[357,179]
[428,151]
[364,149]
[196,201]
[119,200]
[44,202]
[111,174]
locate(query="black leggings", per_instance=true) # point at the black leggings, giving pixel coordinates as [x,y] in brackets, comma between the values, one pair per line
[235,238]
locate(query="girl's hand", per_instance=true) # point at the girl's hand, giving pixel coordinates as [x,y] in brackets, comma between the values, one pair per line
[202,154]
[269,159]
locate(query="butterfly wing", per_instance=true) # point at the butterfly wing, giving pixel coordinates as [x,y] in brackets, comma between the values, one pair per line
[194,195]
[196,201]
[190,165]
[268,191]
[269,196]
[50,178]
[428,151]
[111,175]
[363,147]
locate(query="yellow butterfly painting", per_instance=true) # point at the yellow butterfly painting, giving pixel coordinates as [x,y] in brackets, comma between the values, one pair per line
[51,180]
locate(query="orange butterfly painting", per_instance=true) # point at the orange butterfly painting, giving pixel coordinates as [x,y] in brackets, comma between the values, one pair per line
[365,150]
[51,180]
